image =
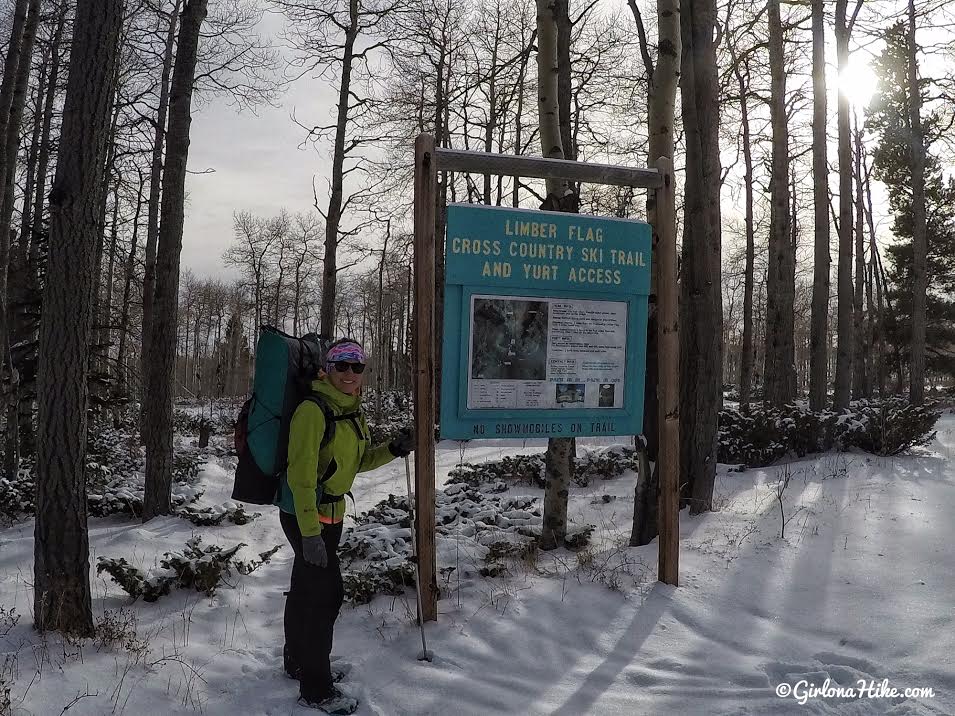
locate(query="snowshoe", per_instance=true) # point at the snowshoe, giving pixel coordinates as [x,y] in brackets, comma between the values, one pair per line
[338,704]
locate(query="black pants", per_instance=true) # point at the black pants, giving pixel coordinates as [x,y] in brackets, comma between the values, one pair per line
[312,606]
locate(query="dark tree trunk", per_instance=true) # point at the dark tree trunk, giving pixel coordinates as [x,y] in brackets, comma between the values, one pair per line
[61,541]
[127,289]
[780,372]
[334,215]
[876,308]
[155,190]
[819,321]
[701,317]
[160,374]
[746,361]
[43,162]
[919,231]
[844,323]
[19,55]
[564,84]
[860,378]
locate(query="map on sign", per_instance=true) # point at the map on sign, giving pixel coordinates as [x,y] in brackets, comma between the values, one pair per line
[532,354]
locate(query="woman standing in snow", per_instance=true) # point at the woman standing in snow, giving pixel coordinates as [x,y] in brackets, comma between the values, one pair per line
[328,437]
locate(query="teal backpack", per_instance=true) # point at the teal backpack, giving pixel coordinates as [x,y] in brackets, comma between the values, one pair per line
[284,369]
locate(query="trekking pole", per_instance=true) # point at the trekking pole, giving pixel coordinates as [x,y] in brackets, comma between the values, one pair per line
[425,655]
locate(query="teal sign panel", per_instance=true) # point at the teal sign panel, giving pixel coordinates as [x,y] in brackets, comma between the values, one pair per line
[545,324]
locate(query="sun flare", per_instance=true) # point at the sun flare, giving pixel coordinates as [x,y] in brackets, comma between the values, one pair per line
[858,82]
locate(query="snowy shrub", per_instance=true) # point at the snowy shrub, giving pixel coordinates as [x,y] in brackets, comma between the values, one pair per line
[196,567]
[18,496]
[217,514]
[890,427]
[112,488]
[765,434]
[363,585]
[495,476]
[221,420]
[604,464]
[376,552]
[520,470]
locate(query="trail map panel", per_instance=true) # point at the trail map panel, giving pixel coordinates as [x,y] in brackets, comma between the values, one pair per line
[544,325]
[533,354]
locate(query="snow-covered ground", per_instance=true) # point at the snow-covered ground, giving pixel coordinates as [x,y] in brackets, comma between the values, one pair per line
[862,587]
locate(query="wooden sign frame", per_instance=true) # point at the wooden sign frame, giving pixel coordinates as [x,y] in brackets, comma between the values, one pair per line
[428,162]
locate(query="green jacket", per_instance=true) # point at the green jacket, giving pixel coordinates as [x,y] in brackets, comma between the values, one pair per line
[350,450]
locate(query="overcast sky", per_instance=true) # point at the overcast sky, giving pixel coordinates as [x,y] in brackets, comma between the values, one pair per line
[259,165]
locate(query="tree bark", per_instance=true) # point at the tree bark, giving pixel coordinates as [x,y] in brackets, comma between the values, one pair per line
[661,103]
[844,319]
[8,82]
[819,321]
[155,191]
[22,50]
[919,231]
[746,361]
[780,373]
[876,310]
[127,288]
[701,317]
[333,216]
[61,542]
[43,162]
[559,457]
[26,215]
[860,381]
[162,358]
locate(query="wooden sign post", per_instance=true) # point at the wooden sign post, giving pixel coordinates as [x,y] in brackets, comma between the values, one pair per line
[425,191]
[428,161]
[668,389]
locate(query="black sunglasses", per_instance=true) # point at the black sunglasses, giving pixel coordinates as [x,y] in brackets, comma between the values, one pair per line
[356,368]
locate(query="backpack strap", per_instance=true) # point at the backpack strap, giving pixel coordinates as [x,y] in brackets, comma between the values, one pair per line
[330,422]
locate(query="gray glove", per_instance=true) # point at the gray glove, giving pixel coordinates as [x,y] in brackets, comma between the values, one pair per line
[313,550]
[403,444]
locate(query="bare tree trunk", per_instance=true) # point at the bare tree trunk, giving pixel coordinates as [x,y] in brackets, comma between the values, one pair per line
[162,359]
[780,373]
[701,318]
[379,349]
[106,318]
[19,55]
[61,541]
[919,231]
[8,82]
[746,362]
[876,309]
[663,79]
[557,460]
[155,190]
[334,215]
[29,186]
[860,379]
[819,321]
[564,84]
[844,323]
[127,288]
[43,162]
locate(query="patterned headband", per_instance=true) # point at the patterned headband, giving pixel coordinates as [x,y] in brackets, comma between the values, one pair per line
[347,351]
